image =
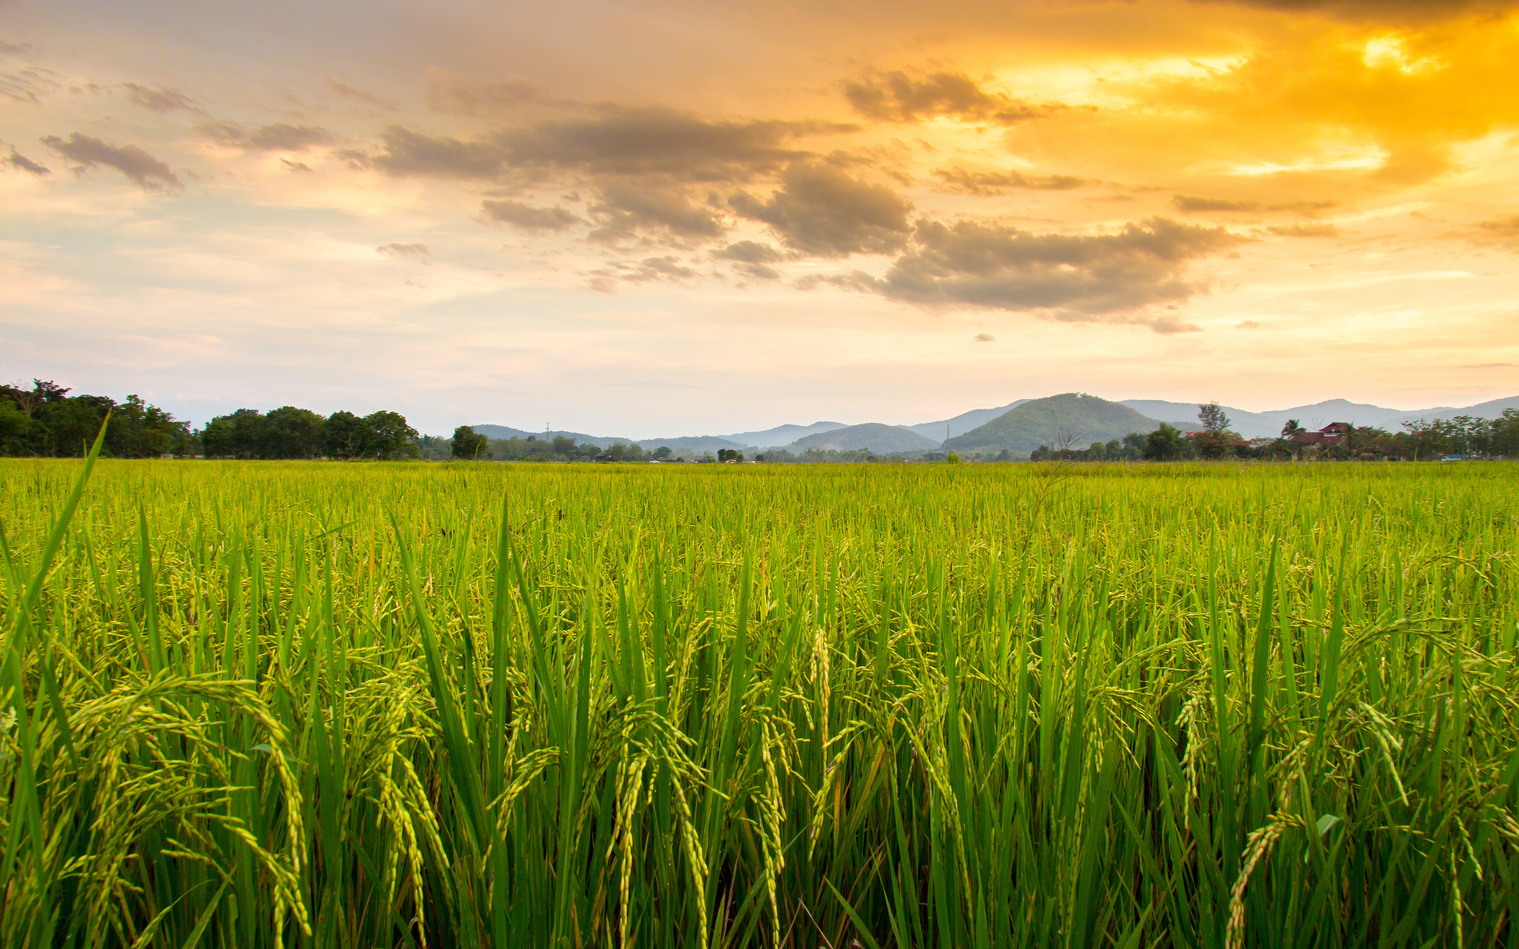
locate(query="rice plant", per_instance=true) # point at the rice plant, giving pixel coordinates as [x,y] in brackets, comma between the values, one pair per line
[358,705]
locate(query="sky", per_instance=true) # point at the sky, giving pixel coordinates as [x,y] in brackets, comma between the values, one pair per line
[662,217]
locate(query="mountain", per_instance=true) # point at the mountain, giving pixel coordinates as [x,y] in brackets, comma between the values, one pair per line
[1081,418]
[961,423]
[1269,424]
[695,443]
[782,434]
[506,431]
[879,438]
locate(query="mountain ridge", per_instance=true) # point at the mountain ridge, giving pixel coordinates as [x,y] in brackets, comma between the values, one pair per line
[1249,424]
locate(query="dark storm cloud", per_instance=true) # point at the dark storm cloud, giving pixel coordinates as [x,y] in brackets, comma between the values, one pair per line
[527,217]
[1076,277]
[822,211]
[1187,202]
[991,182]
[750,252]
[629,206]
[617,141]
[141,169]
[267,138]
[157,100]
[898,97]
[18,160]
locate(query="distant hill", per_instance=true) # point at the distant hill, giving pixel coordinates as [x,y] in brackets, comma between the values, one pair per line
[1269,424]
[506,431]
[874,436]
[781,434]
[961,423]
[694,443]
[1085,418]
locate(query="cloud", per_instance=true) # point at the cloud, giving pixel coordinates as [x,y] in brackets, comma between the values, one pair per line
[295,166]
[452,94]
[1378,9]
[527,217]
[18,160]
[642,271]
[758,271]
[412,153]
[750,252]
[267,138]
[1305,230]
[404,250]
[157,100]
[1248,325]
[984,338]
[141,169]
[660,141]
[1186,202]
[898,97]
[1503,229]
[1076,277]
[29,84]
[349,92]
[618,141]
[629,206]
[992,182]
[822,211]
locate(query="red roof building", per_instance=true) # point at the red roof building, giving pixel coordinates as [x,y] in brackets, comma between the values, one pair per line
[1331,434]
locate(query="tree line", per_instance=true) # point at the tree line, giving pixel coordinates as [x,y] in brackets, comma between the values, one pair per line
[294,433]
[1463,436]
[45,421]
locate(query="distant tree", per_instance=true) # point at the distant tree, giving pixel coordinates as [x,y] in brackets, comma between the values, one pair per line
[385,436]
[1097,451]
[341,436]
[469,443]
[563,444]
[729,454]
[1164,444]
[1213,418]
[1215,440]
[662,452]
[289,432]
[15,424]
[1292,429]
[1505,434]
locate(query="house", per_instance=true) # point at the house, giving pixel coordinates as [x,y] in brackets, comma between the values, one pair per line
[1331,434]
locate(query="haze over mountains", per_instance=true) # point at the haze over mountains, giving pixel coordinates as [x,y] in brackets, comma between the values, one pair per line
[1025,424]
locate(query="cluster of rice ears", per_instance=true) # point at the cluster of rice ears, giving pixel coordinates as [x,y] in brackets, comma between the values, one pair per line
[263,704]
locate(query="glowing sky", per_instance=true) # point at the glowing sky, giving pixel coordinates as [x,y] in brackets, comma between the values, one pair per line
[651,217]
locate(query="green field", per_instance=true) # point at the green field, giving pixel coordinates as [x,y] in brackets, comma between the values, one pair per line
[359,705]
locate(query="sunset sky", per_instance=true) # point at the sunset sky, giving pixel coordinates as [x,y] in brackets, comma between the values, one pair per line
[659,217]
